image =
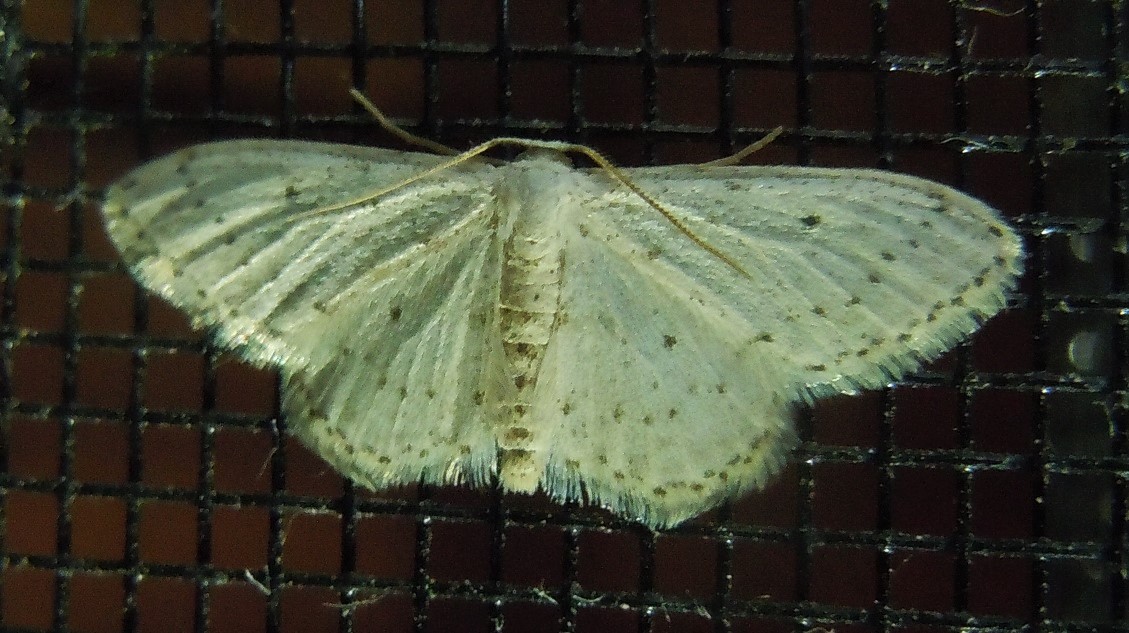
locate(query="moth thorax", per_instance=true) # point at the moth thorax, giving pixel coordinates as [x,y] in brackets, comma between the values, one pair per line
[529,303]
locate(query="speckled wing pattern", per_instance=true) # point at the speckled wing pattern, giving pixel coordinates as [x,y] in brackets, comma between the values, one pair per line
[851,279]
[395,297]
[669,376]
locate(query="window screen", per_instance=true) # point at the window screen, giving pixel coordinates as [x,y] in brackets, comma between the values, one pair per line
[147,481]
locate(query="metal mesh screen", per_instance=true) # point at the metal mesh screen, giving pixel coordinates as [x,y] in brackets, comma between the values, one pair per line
[147,484]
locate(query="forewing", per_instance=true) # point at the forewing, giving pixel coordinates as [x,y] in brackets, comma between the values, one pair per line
[848,278]
[674,367]
[374,313]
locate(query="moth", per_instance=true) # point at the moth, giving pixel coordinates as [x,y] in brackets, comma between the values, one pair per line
[634,338]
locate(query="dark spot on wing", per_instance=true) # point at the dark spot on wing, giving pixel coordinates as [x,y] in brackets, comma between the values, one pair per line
[811,221]
[517,434]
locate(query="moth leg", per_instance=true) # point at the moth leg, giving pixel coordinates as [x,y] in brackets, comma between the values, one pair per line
[398,131]
[755,146]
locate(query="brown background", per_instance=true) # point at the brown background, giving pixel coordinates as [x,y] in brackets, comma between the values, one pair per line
[145,483]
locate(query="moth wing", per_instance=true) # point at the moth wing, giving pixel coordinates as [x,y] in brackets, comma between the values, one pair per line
[379,315]
[857,276]
[673,371]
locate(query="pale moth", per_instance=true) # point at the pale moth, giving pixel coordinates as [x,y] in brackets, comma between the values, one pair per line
[635,338]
